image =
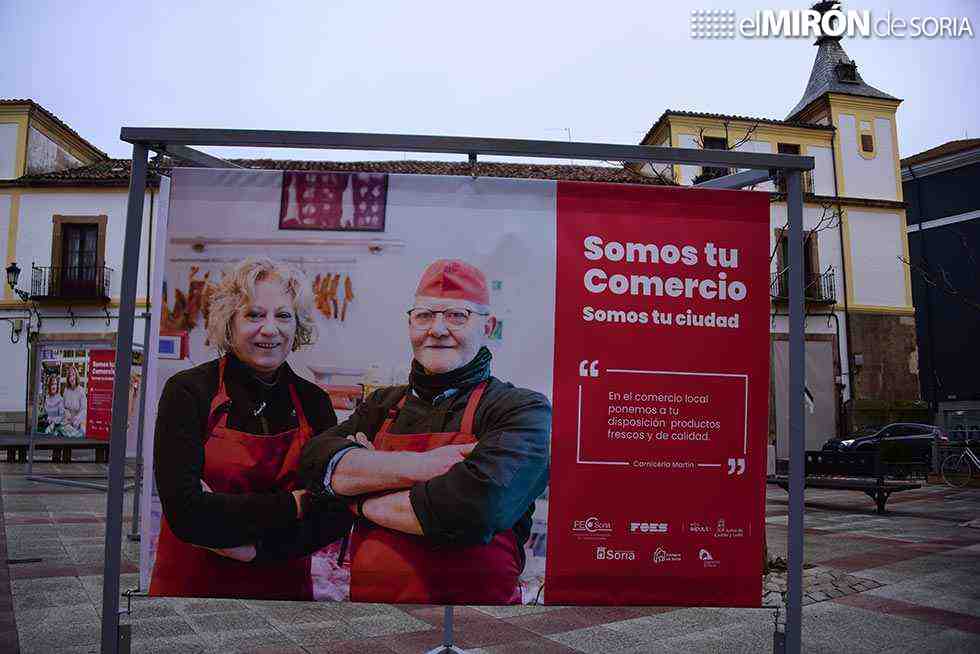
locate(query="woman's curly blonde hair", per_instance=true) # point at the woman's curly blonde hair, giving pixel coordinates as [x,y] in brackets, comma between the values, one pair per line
[236,289]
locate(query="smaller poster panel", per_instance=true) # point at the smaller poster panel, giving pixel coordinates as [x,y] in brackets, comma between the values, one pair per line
[65,381]
[102,372]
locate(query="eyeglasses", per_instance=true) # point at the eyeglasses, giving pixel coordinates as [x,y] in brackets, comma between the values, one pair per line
[423,318]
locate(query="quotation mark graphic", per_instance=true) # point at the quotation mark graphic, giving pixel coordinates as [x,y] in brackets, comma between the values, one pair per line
[588,368]
[736,466]
[713,24]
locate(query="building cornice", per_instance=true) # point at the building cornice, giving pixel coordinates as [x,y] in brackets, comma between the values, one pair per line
[941,165]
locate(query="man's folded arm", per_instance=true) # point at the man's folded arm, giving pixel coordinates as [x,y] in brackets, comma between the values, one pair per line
[493,487]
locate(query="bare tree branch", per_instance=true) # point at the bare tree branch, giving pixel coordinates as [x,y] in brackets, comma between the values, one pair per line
[944,283]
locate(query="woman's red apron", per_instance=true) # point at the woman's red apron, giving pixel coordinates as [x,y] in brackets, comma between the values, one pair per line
[237,462]
[394,567]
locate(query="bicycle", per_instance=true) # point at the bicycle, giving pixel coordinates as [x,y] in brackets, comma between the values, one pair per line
[957,469]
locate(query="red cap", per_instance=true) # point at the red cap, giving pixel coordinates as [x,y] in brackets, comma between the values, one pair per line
[454,279]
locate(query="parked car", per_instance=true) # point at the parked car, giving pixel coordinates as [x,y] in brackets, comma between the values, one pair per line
[914,439]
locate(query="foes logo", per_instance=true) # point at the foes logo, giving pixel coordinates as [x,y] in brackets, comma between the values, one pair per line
[663,556]
[724,531]
[592,527]
[648,527]
[609,554]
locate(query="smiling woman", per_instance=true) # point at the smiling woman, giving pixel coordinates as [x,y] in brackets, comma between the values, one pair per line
[228,437]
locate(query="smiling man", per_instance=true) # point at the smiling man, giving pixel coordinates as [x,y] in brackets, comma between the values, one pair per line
[442,473]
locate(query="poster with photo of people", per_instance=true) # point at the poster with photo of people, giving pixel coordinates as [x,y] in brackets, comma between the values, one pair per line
[74,389]
[443,390]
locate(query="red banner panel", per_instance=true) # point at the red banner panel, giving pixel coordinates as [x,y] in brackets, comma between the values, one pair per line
[102,371]
[660,397]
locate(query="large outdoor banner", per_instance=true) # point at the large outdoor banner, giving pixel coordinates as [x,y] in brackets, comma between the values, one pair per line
[445,390]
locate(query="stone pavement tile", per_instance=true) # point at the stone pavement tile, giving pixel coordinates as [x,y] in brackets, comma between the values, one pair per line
[80,530]
[411,643]
[56,617]
[49,584]
[197,606]
[304,613]
[385,625]
[30,600]
[753,633]
[836,627]
[189,644]
[572,618]
[156,628]
[917,567]
[46,641]
[538,645]
[358,646]
[148,608]
[228,621]
[484,633]
[599,640]
[249,641]
[927,592]
[677,623]
[516,610]
[945,642]
[933,616]
[434,615]
[319,633]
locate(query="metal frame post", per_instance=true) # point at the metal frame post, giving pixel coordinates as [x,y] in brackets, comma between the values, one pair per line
[134,528]
[797,424]
[120,402]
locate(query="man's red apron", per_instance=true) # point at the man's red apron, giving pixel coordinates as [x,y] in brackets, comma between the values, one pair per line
[394,567]
[237,462]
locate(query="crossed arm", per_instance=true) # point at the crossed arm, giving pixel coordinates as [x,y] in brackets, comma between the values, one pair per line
[387,475]
[454,494]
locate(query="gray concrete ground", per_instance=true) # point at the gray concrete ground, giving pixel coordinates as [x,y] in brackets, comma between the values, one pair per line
[908,581]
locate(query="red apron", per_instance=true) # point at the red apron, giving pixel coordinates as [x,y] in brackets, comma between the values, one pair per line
[393,567]
[237,462]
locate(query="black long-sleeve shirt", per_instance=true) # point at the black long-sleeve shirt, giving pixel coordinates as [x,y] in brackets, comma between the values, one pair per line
[490,491]
[228,519]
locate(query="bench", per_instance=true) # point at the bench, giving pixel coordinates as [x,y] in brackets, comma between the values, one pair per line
[61,448]
[873,473]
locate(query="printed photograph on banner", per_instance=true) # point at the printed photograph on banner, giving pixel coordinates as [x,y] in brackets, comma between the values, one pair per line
[71,399]
[446,390]
[402,370]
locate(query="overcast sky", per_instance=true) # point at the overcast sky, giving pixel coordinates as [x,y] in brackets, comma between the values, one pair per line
[604,71]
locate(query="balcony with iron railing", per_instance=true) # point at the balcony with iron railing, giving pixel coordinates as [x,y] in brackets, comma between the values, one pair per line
[78,283]
[817,289]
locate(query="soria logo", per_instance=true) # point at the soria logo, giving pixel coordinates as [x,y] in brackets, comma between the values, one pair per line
[608,554]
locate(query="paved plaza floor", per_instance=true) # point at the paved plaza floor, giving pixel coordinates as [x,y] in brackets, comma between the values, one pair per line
[908,581]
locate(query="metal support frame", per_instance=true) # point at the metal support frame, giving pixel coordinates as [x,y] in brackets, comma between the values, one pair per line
[738,180]
[448,646]
[120,401]
[797,420]
[165,140]
[196,156]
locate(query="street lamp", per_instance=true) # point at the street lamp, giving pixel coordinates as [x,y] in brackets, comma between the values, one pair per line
[13,276]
